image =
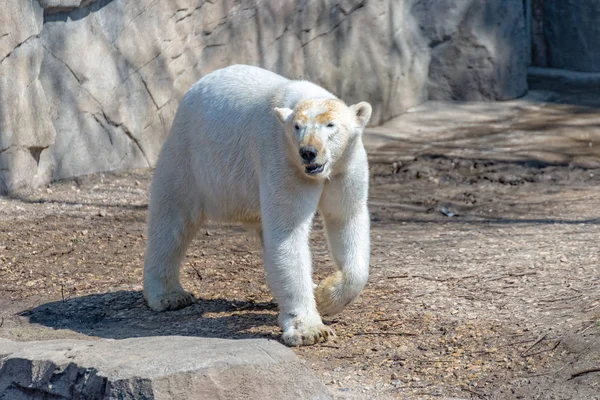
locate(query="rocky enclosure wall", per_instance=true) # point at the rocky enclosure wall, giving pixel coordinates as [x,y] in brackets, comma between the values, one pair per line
[566,34]
[93,85]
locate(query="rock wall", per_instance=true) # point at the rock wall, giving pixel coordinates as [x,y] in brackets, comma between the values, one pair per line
[93,85]
[566,34]
[478,48]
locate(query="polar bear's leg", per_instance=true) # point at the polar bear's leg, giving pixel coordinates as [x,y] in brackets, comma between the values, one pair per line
[346,216]
[349,246]
[170,231]
[288,270]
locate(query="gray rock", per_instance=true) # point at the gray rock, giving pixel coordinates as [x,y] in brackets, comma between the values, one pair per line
[26,129]
[538,41]
[572,33]
[63,5]
[478,48]
[155,368]
[20,21]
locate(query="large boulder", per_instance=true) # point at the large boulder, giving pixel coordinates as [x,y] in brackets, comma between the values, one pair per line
[97,83]
[26,129]
[176,368]
[478,48]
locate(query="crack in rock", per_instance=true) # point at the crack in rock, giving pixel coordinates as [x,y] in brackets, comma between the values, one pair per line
[63,10]
[437,42]
[148,90]
[123,128]
[19,45]
[79,80]
[334,27]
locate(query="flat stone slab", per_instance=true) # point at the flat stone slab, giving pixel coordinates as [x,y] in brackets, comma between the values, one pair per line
[163,367]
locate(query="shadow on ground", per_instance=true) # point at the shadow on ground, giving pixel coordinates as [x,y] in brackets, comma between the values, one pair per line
[124,314]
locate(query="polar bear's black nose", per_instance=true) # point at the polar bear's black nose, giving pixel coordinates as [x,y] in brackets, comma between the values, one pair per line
[308,153]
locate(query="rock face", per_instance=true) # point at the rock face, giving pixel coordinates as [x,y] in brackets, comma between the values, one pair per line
[175,368]
[93,85]
[572,34]
[478,48]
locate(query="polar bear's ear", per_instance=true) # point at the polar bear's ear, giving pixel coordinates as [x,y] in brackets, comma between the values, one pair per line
[363,112]
[283,114]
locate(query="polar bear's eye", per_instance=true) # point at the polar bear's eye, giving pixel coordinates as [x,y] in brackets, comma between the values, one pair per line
[330,125]
[296,126]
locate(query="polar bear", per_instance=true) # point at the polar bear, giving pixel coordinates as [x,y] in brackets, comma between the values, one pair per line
[250,146]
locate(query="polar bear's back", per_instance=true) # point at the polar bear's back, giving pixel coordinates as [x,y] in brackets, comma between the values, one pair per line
[232,97]
[233,106]
[243,96]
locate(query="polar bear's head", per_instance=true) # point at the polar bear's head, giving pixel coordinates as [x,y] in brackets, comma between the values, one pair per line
[319,131]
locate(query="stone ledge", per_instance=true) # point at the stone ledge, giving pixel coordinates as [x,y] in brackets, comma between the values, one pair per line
[564,76]
[163,367]
[52,6]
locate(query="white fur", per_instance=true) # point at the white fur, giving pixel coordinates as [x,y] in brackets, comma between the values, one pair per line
[233,155]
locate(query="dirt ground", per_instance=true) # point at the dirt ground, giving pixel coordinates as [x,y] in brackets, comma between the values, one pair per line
[485,277]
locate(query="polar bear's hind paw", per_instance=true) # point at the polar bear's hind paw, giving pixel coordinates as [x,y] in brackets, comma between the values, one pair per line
[172,301]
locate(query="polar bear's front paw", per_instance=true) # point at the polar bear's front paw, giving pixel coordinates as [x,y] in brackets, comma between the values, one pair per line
[306,336]
[328,295]
[171,301]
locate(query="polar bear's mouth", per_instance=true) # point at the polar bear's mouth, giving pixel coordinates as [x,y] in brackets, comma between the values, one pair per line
[313,169]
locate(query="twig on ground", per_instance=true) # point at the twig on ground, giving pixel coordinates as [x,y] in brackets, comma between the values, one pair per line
[1,322]
[590,326]
[62,253]
[584,372]
[480,395]
[243,251]
[511,275]
[431,278]
[196,271]
[545,350]
[430,394]
[386,333]
[245,306]
[515,275]
[514,343]
[559,299]
[331,346]
[538,341]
